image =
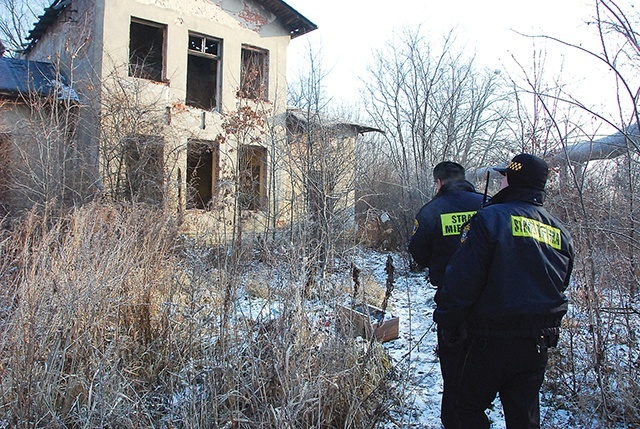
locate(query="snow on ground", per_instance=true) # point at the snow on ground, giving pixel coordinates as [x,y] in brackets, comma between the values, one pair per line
[413,352]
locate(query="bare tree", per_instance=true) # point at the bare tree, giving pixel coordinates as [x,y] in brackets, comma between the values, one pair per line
[44,166]
[598,196]
[17,18]
[138,154]
[433,104]
[321,160]
[307,91]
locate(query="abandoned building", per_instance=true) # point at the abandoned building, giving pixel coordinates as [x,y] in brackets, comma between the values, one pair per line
[179,104]
[32,95]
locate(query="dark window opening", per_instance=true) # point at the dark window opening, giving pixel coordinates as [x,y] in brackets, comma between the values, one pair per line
[146,50]
[254,73]
[202,173]
[144,161]
[203,72]
[253,177]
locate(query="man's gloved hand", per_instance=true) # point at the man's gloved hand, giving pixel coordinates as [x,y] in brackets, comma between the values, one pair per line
[454,336]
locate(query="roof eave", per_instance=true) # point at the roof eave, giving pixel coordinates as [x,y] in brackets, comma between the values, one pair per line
[45,20]
[294,21]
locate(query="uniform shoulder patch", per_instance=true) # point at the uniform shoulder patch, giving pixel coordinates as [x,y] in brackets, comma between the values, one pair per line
[465,231]
[416,225]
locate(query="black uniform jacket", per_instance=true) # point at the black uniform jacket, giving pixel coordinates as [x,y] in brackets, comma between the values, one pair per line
[436,234]
[509,275]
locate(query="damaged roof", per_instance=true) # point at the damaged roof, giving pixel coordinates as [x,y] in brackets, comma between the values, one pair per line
[301,119]
[45,20]
[291,18]
[293,21]
[23,77]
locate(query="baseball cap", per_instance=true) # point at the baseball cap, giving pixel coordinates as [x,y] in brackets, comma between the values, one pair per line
[527,171]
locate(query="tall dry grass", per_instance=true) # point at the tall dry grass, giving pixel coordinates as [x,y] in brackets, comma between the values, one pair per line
[594,371]
[110,318]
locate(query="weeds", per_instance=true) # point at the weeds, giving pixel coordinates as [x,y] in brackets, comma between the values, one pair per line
[108,318]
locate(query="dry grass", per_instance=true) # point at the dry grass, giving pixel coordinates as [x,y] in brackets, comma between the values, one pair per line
[108,318]
[595,370]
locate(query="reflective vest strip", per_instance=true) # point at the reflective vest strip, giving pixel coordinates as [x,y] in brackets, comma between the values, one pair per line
[531,228]
[452,222]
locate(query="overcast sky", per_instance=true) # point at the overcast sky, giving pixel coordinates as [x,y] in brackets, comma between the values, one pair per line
[348,31]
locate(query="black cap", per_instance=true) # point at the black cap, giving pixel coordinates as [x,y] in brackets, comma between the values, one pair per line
[527,171]
[448,171]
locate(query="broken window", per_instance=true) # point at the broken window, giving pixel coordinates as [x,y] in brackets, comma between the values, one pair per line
[144,161]
[252,169]
[146,50]
[202,172]
[254,73]
[203,72]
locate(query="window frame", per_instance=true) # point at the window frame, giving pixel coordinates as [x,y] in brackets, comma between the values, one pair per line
[193,164]
[249,199]
[254,89]
[139,70]
[144,161]
[194,56]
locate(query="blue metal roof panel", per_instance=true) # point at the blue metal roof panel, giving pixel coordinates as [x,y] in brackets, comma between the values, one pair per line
[22,77]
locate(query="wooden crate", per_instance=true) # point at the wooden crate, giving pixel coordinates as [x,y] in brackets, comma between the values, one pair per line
[367,322]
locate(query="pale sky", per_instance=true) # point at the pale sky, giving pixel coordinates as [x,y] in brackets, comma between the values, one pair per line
[350,29]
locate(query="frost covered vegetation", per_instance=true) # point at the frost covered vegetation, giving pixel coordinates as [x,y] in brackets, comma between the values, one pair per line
[597,366]
[109,318]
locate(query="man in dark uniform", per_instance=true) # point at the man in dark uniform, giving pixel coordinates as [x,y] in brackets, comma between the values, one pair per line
[436,236]
[505,288]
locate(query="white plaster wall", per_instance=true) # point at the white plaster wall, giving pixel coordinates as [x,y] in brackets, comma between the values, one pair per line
[235,22]
[203,17]
[94,34]
[33,163]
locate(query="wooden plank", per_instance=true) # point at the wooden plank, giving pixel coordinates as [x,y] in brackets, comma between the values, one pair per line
[368,322]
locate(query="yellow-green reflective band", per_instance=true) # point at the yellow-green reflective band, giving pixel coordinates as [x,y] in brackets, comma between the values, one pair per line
[525,227]
[452,222]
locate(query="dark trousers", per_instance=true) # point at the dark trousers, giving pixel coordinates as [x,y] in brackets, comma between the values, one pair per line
[450,356]
[514,367]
